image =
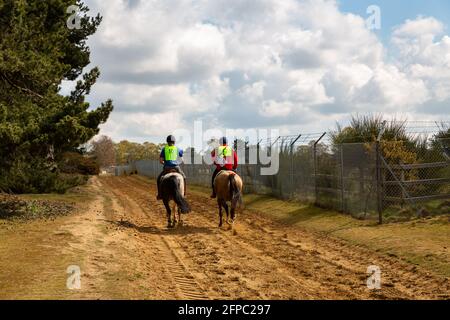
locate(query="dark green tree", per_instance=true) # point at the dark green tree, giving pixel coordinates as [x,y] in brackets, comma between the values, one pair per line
[37,124]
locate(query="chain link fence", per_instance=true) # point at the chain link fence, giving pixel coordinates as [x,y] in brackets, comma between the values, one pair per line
[420,187]
[366,180]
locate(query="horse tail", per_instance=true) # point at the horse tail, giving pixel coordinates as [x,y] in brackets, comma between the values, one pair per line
[179,198]
[236,194]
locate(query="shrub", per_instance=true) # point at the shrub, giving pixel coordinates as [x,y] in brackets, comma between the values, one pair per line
[34,176]
[75,163]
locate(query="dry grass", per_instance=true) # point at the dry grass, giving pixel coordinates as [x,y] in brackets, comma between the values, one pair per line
[34,268]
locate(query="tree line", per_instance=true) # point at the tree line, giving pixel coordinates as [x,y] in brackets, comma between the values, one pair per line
[108,153]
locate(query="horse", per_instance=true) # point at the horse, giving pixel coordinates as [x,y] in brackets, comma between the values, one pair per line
[173,189]
[228,186]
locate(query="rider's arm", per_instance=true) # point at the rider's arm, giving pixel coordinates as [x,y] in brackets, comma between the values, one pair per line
[213,156]
[235,160]
[162,157]
[180,155]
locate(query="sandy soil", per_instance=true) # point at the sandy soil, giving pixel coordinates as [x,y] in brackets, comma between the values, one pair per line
[125,251]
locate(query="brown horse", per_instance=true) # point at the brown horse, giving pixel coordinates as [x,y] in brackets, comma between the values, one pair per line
[228,186]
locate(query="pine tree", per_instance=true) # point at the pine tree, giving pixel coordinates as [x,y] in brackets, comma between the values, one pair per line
[38,124]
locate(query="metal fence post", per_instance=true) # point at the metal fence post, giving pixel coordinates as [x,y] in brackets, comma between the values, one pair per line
[379,174]
[292,164]
[315,167]
[379,183]
[342,179]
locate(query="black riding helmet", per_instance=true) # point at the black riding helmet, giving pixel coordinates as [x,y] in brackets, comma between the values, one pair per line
[171,139]
[223,140]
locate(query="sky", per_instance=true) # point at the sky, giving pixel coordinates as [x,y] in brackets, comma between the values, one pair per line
[396,12]
[298,66]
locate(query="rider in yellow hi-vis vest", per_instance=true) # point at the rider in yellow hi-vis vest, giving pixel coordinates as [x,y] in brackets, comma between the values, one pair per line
[225,159]
[169,158]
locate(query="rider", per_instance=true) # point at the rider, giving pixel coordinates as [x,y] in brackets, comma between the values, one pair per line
[226,159]
[169,158]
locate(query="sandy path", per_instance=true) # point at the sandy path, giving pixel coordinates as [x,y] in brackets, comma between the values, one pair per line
[124,250]
[264,260]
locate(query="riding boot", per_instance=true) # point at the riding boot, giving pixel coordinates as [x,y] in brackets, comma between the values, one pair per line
[213,194]
[158,196]
[158,183]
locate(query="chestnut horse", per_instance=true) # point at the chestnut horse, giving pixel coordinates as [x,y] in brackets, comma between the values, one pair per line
[228,186]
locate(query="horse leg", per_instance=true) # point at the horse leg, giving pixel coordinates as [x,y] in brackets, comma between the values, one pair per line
[220,213]
[174,210]
[180,221]
[169,214]
[227,210]
[233,213]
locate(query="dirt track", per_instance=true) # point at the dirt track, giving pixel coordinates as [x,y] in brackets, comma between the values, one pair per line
[263,260]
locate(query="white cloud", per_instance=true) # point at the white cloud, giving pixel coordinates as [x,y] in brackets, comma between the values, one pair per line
[273,108]
[259,63]
[393,90]
[424,55]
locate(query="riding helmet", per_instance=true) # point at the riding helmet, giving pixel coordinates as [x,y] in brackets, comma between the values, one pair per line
[224,140]
[171,139]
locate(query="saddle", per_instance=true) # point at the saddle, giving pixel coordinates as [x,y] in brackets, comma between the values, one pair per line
[172,170]
[232,172]
[169,170]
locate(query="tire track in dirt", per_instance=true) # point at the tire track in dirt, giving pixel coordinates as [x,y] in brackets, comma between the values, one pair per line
[185,283]
[240,269]
[398,277]
[275,281]
[184,280]
[339,267]
[154,213]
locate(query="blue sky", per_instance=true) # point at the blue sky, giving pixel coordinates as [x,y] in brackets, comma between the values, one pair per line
[395,12]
